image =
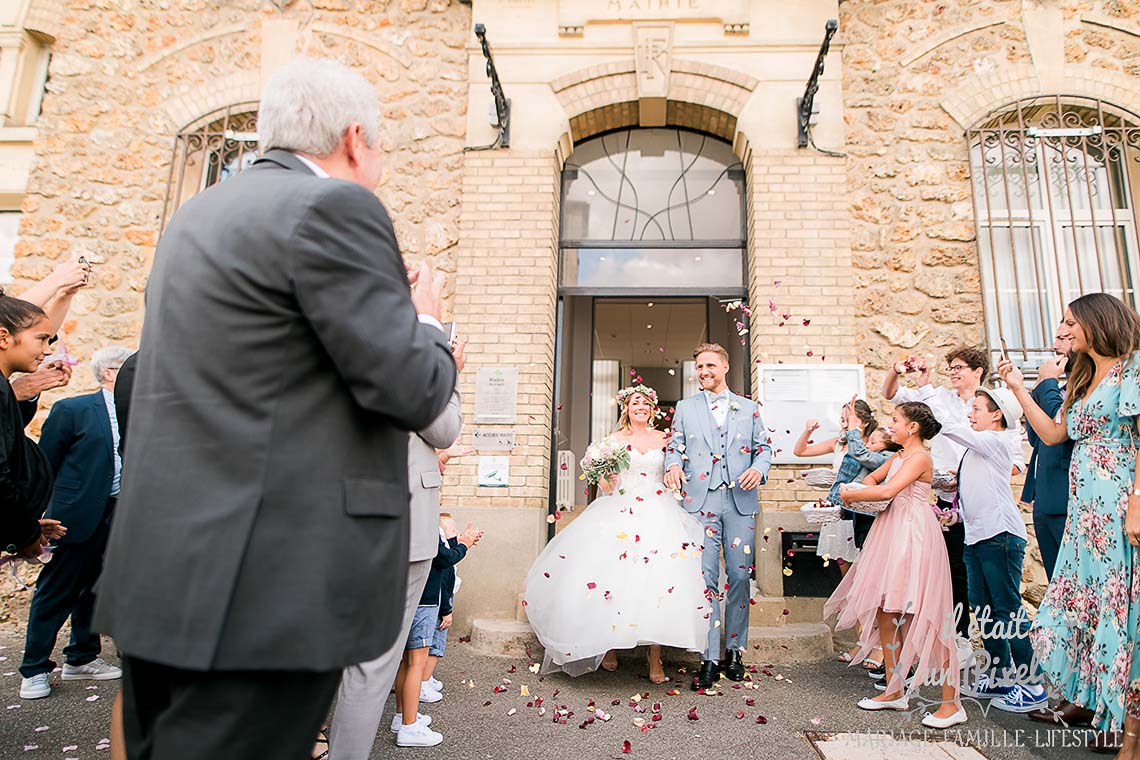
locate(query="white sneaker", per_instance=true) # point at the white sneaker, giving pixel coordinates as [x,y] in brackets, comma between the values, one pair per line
[428,694]
[417,735]
[435,683]
[96,670]
[36,687]
[398,721]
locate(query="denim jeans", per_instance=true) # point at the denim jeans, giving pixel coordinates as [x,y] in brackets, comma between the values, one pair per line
[994,569]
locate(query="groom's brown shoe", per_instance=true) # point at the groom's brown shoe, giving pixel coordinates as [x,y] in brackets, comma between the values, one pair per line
[734,667]
[708,675]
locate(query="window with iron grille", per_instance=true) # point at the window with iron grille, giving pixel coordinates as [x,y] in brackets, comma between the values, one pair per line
[208,151]
[1054,182]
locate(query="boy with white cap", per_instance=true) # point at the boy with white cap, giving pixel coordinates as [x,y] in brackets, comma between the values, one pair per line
[995,548]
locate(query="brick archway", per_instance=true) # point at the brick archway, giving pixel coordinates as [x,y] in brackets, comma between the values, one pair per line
[702,96]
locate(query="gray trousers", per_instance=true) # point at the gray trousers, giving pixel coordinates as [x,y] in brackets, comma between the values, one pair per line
[364,688]
[727,529]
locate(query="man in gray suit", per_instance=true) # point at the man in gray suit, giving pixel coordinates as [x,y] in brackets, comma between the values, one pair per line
[720,453]
[364,688]
[260,544]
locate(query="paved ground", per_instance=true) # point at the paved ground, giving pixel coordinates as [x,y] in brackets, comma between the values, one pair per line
[797,702]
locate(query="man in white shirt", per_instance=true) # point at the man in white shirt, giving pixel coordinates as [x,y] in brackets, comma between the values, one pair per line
[968,367]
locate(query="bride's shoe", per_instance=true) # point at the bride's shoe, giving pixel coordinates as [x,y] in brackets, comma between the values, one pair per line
[657,671]
[609,662]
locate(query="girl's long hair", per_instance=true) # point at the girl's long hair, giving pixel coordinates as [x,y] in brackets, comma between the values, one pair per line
[1111,328]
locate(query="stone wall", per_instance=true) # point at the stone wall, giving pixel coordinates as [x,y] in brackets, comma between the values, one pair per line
[916,76]
[125,77]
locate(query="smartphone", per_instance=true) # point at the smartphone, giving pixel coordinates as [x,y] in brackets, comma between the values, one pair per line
[449,329]
[86,275]
[1004,348]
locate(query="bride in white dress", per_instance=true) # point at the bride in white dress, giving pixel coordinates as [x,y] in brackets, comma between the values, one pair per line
[627,572]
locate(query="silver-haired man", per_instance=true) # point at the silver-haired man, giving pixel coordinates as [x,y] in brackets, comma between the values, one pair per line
[80,440]
[261,540]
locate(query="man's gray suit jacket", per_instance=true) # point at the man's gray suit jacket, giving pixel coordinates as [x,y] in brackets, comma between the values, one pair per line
[263,520]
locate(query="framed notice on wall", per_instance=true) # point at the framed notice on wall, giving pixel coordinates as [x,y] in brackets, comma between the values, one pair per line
[792,394]
[496,395]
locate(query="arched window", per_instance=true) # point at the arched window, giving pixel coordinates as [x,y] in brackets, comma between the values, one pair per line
[1054,181]
[653,209]
[209,151]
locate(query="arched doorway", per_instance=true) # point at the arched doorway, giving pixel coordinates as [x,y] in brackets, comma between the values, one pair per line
[651,250]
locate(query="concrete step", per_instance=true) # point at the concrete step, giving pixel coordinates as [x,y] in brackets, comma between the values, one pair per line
[767,612]
[783,644]
[789,643]
[507,638]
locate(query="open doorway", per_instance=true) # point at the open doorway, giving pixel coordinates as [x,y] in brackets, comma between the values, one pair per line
[606,344]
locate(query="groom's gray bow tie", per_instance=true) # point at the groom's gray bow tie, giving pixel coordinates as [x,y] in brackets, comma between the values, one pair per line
[723,396]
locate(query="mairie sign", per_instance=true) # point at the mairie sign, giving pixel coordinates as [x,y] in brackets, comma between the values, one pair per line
[573,15]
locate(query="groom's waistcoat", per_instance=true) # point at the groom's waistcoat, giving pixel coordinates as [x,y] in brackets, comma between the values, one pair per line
[719,475]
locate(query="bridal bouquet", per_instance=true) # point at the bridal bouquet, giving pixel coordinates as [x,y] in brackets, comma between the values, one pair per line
[604,458]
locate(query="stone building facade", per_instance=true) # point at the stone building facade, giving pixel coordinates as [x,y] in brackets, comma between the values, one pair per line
[867,247]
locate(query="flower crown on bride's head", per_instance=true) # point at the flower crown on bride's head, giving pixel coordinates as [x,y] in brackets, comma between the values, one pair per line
[624,394]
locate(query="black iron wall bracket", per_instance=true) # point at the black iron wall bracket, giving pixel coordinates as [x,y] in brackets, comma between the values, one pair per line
[502,119]
[805,106]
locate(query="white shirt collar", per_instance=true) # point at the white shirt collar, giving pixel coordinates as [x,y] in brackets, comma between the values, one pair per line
[312,166]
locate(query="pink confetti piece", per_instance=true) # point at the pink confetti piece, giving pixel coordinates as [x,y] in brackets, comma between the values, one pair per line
[93,698]
[41,729]
[71,748]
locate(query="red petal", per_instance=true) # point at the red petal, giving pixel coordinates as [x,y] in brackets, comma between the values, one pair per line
[740,715]
[761,719]
[626,747]
[591,585]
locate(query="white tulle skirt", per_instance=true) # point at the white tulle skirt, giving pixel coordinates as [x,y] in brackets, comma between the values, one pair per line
[627,572]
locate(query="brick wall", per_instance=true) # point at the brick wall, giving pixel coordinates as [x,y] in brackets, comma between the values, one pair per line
[799,236]
[505,306]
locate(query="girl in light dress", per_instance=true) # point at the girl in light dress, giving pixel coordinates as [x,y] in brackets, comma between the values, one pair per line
[864,447]
[899,590]
[627,572]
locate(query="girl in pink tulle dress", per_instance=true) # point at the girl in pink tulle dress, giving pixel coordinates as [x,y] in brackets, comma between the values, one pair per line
[899,589]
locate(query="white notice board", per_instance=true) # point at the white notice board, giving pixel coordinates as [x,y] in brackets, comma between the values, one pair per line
[792,394]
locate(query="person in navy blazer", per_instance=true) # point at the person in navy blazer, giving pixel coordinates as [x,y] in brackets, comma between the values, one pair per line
[1047,479]
[80,439]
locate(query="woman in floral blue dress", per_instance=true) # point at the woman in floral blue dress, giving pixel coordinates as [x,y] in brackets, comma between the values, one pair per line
[1087,630]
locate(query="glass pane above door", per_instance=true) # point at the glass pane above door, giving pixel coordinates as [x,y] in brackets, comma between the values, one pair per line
[653,184]
[641,268]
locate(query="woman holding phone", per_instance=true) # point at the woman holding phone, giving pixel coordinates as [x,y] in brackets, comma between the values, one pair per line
[1087,630]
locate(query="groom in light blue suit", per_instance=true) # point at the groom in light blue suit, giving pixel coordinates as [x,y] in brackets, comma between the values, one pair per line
[719,453]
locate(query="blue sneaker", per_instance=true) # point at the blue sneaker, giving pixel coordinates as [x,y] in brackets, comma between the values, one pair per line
[983,689]
[1022,699]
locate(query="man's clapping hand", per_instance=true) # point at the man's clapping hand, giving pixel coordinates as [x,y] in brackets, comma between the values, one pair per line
[459,351]
[427,290]
[1053,368]
[48,376]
